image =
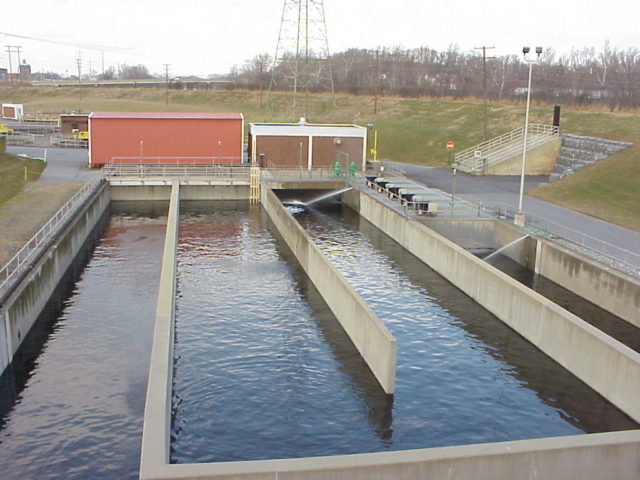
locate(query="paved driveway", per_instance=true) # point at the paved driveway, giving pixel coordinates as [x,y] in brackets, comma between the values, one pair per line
[63,164]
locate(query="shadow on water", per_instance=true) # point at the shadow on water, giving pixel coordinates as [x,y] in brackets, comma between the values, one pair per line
[575,402]
[608,323]
[379,404]
[16,375]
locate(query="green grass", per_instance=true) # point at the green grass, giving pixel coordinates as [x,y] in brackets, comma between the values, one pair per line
[409,130]
[12,174]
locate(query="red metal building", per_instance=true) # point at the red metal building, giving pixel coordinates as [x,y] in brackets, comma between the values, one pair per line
[165,138]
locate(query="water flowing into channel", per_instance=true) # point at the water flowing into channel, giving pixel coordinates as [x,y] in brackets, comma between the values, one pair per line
[503,248]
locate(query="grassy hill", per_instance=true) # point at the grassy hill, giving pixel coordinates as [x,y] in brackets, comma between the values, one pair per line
[409,130]
[12,174]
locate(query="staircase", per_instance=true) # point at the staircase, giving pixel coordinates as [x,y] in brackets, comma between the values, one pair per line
[577,152]
[476,160]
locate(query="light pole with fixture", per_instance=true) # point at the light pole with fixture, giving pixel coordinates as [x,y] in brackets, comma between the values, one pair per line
[519,217]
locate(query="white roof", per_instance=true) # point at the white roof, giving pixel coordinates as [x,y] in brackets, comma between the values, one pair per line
[307,129]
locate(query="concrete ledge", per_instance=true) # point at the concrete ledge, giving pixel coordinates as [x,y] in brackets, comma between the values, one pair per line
[609,367]
[600,456]
[157,411]
[369,335]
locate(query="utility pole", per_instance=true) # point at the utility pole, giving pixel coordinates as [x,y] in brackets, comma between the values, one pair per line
[375,97]
[10,67]
[14,49]
[79,64]
[260,80]
[102,64]
[484,85]
[166,78]
[18,48]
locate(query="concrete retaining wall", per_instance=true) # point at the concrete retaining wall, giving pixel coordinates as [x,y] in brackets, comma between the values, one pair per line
[369,335]
[609,367]
[24,303]
[541,160]
[187,192]
[610,289]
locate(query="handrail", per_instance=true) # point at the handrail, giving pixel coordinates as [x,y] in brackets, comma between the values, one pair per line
[195,161]
[544,226]
[488,153]
[113,171]
[26,254]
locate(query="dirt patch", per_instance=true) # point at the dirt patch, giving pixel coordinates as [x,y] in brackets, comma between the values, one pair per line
[23,215]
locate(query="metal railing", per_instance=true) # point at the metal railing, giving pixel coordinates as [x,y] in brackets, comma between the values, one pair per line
[147,171]
[478,158]
[548,228]
[181,161]
[16,265]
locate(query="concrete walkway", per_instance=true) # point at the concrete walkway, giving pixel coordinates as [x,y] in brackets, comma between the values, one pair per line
[591,232]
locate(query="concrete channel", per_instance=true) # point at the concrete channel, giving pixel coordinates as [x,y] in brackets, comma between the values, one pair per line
[609,367]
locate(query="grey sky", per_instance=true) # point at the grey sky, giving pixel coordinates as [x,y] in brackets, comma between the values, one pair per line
[209,36]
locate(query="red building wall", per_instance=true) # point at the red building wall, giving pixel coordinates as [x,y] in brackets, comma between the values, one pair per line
[167,138]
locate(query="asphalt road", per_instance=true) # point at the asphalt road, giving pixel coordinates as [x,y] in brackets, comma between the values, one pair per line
[578,227]
[63,164]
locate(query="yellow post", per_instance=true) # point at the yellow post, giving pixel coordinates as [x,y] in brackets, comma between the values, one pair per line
[25,174]
[375,145]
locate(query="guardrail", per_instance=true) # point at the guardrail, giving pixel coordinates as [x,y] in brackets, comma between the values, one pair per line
[303,173]
[146,171]
[16,265]
[181,161]
[486,154]
[548,228]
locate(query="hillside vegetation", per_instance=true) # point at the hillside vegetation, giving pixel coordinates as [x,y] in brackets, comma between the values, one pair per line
[409,130]
[12,174]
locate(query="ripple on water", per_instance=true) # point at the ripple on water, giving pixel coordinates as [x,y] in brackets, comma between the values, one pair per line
[264,371]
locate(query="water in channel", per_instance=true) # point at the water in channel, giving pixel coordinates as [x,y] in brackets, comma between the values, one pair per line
[71,404]
[263,370]
[608,323]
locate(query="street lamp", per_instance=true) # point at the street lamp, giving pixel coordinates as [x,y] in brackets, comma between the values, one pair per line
[519,217]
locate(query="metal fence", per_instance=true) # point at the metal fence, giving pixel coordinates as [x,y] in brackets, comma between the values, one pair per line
[114,171]
[27,254]
[548,228]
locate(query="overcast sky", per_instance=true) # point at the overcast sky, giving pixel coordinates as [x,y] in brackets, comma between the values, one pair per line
[210,36]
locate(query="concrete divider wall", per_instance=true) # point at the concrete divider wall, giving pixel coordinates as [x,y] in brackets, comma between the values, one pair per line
[25,302]
[610,368]
[157,410]
[369,335]
[610,289]
[187,192]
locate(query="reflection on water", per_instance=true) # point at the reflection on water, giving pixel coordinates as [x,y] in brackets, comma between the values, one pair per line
[263,370]
[461,371]
[71,405]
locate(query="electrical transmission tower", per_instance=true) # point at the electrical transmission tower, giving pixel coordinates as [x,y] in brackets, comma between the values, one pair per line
[301,62]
